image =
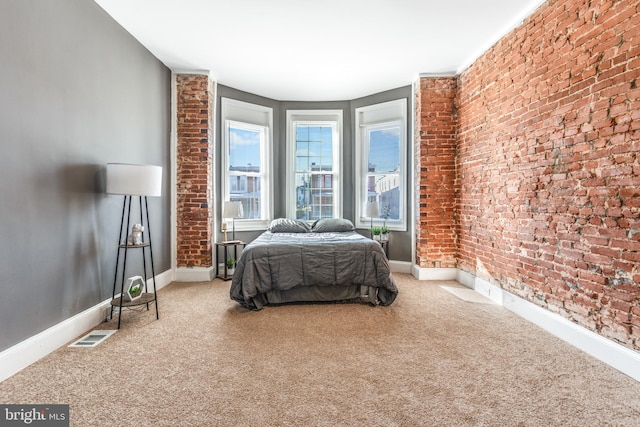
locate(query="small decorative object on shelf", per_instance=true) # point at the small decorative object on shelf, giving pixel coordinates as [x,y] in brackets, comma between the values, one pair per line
[134,287]
[135,238]
[223,228]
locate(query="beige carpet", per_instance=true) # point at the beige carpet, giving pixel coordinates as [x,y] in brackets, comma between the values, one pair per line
[430,359]
[467,294]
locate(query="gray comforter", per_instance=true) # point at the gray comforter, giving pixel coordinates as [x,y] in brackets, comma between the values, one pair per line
[284,263]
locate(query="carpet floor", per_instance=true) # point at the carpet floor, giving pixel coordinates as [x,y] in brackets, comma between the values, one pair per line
[430,359]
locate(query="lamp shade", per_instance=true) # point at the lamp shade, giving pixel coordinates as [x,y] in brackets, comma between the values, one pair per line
[372,210]
[232,210]
[134,180]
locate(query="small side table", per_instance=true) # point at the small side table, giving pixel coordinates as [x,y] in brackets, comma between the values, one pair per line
[224,275]
[385,246]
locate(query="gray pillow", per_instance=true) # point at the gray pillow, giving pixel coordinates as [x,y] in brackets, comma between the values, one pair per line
[332,225]
[286,225]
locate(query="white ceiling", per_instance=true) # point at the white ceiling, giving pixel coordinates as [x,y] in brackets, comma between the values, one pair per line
[318,50]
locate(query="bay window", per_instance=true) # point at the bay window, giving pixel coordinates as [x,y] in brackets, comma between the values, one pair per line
[246,164]
[381,175]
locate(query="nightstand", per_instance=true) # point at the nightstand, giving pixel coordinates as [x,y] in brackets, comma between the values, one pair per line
[226,247]
[385,246]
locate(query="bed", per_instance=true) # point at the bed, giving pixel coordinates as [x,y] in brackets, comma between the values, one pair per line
[330,261]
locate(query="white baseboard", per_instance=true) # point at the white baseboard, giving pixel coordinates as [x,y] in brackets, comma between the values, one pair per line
[194,274]
[434,273]
[490,291]
[163,279]
[613,354]
[465,278]
[23,354]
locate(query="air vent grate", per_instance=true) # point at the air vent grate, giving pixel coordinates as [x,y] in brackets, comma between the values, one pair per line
[93,338]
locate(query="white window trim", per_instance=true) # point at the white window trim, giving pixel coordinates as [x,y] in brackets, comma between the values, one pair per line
[314,117]
[257,118]
[369,118]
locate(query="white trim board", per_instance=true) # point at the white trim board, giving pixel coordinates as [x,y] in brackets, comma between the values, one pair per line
[194,274]
[23,354]
[421,273]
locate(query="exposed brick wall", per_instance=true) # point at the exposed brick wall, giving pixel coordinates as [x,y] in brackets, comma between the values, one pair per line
[435,175]
[548,162]
[195,115]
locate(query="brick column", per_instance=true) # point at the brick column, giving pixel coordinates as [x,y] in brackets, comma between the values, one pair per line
[435,173]
[195,117]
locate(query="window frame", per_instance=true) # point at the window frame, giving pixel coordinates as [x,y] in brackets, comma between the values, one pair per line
[368,119]
[314,118]
[251,117]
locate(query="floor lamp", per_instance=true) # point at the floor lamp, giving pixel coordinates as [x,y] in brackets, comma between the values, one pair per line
[232,210]
[142,181]
[372,211]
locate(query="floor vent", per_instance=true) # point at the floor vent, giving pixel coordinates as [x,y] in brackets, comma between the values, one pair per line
[467,294]
[93,338]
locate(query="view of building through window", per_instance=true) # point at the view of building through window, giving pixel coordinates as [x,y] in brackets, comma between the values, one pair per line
[314,171]
[245,168]
[315,167]
[383,173]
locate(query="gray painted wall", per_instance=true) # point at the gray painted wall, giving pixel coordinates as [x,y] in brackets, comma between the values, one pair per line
[400,244]
[76,92]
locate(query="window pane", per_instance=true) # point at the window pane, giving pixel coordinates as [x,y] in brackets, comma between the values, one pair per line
[245,172]
[302,148]
[381,159]
[314,155]
[302,133]
[385,189]
[245,168]
[384,150]
[315,164]
[244,150]
[315,133]
[237,184]
[249,196]
[326,135]
[327,149]
[302,164]
[315,148]
[383,180]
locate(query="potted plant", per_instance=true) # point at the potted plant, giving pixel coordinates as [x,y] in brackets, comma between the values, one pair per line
[231,263]
[133,288]
[135,291]
[375,231]
[384,233]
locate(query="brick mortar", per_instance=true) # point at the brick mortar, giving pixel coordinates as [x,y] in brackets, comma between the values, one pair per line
[435,177]
[548,167]
[194,161]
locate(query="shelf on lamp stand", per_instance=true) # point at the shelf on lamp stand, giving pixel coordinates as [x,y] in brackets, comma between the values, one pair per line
[147,297]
